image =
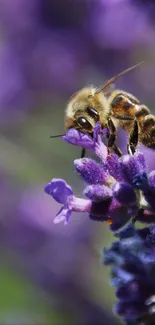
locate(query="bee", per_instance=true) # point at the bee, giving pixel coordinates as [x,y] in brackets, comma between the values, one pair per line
[113,109]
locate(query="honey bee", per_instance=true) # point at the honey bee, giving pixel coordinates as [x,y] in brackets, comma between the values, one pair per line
[113,109]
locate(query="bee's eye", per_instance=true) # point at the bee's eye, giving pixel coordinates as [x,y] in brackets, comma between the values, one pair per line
[93,113]
[83,122]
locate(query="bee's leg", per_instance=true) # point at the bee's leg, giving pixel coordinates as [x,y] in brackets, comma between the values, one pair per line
[112,138]
[117,151]
[112,133]
[83,152]
[133,139]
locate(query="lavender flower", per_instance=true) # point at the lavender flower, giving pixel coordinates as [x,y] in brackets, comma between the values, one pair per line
[132,261]
[117,189]
[62,193]
[45,254]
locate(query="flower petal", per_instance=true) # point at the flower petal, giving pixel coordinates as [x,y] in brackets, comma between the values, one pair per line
[62,215]
[59,189]
[99,147]
[80,205]
[97,132]
[78,138]
[68,214]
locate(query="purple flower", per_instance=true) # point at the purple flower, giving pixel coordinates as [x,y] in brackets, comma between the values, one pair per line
[132,261]
[94,143]
[77,138]
[63,194]
[91,171]
[45,254]
[119,188]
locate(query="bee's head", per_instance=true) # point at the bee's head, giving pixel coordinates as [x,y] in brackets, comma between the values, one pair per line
[81,112]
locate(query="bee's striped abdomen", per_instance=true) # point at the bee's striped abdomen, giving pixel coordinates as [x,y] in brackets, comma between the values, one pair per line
[146,126]
[127,106]
[124,104]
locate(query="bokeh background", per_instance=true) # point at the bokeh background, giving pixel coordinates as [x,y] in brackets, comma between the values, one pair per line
[51,274]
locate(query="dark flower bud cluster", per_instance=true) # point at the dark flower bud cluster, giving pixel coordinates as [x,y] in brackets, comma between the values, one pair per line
[119,191]
[132,261]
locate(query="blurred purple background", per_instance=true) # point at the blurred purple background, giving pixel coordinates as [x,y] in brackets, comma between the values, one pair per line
[51,274]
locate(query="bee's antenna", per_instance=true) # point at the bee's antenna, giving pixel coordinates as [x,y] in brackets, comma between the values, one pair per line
[56,136]
[113,79]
